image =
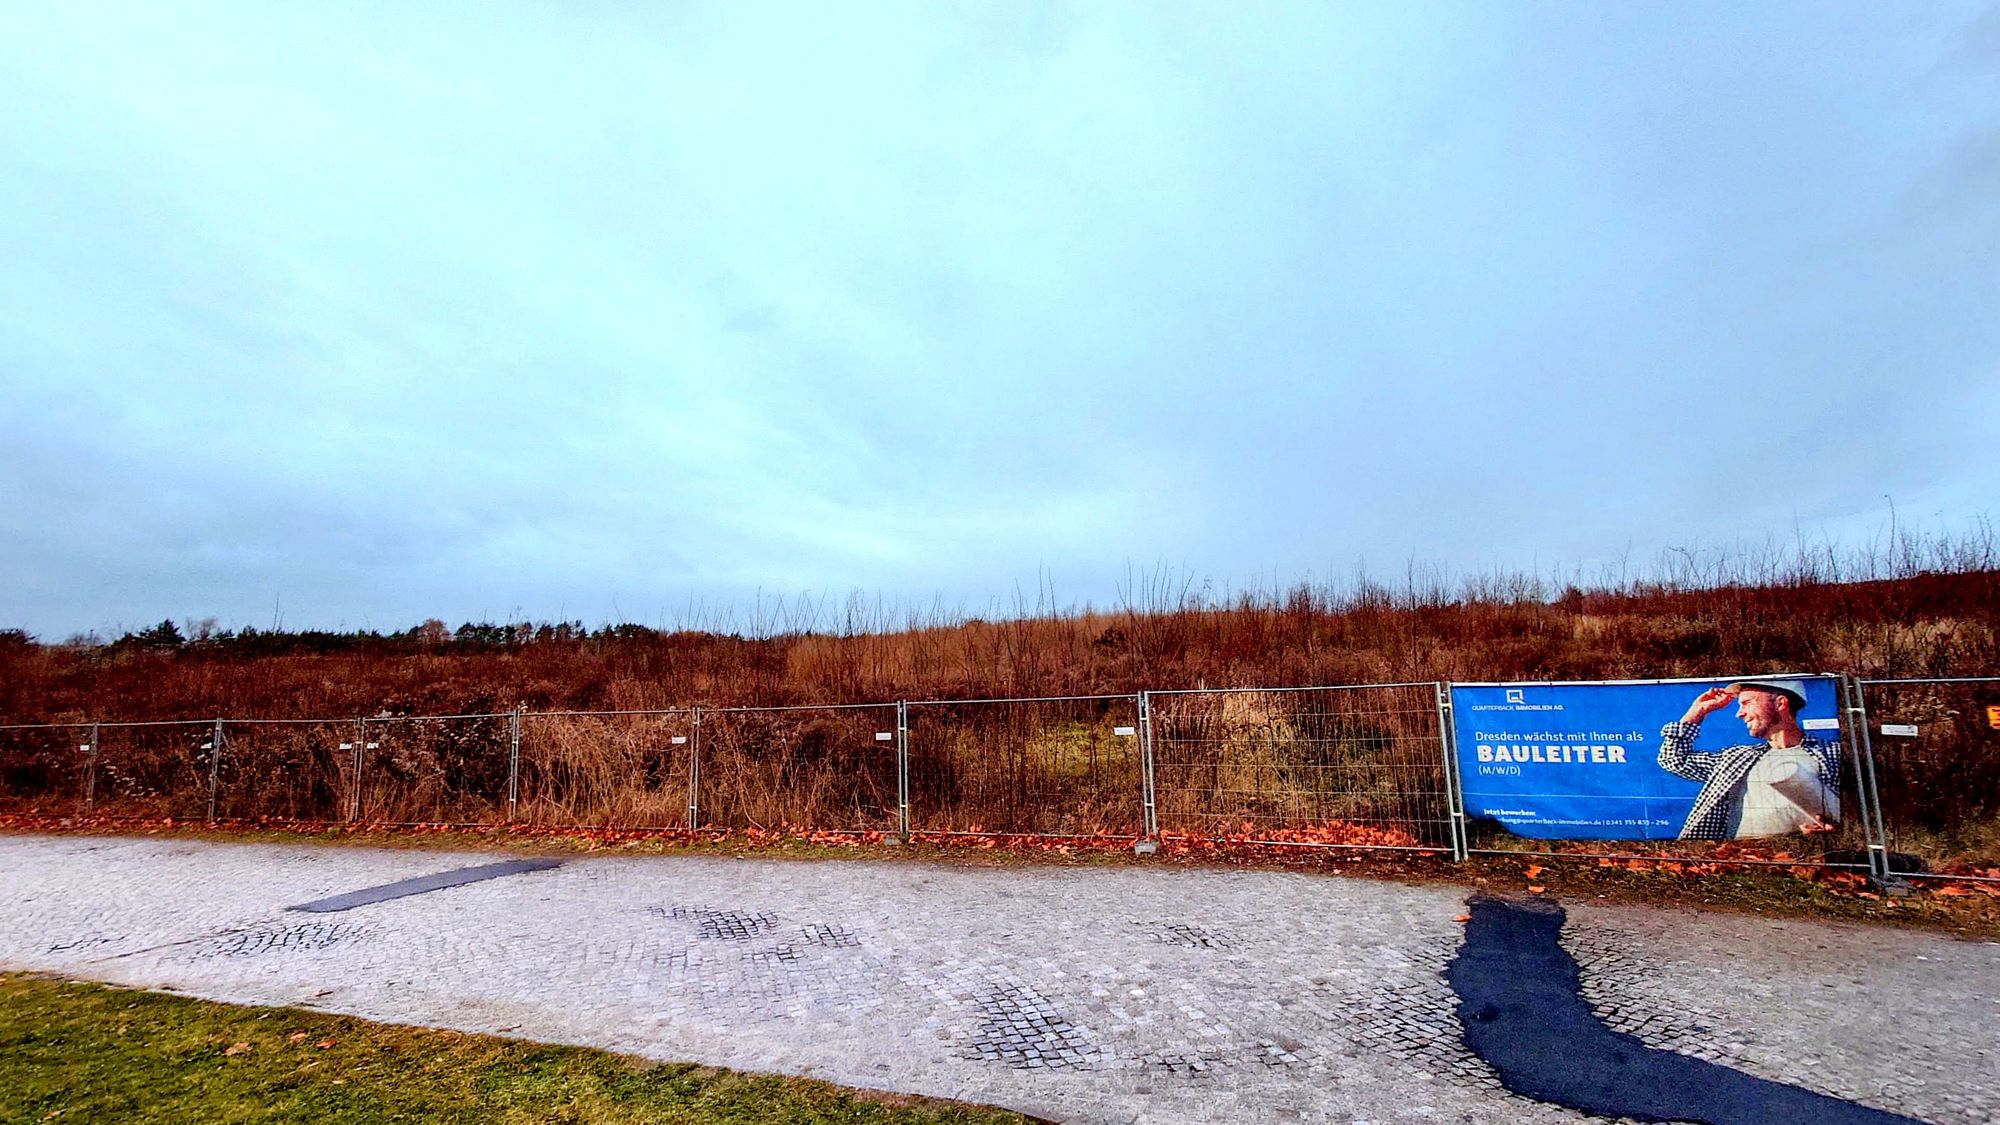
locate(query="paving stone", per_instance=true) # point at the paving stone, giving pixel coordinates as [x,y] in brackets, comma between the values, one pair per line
[1148,995]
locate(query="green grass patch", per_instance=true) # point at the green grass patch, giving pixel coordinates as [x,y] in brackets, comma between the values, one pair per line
[71,1051]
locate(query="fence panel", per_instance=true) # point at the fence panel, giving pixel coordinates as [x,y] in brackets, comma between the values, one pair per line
[45,770]
[1357,766]
[1936,745]
[443,770]
[1336,766]
[799,767]
[1042,767]
[286,770]
[154,770]
[629,770]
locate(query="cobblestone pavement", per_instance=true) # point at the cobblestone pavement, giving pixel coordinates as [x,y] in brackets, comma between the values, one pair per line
[1128,994]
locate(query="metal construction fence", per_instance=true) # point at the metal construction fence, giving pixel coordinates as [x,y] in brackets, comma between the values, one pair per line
[1341,766]
[1071,766]
[1352,766]
[1933,752]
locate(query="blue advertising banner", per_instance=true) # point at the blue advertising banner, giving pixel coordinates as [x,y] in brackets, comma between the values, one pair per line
[1651,760]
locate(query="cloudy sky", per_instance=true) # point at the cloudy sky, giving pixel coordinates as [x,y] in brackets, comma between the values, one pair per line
[357,314]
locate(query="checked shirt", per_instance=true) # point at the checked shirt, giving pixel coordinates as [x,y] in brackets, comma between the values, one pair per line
[1722,774]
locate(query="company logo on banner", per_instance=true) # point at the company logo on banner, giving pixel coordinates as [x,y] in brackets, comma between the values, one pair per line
[1651,760]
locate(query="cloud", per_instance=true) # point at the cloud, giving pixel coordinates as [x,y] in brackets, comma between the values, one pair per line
[448,310]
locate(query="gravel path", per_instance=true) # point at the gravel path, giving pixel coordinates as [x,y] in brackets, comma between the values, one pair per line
[1127,994]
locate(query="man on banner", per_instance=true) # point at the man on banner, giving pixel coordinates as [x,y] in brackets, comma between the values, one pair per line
[1784,783]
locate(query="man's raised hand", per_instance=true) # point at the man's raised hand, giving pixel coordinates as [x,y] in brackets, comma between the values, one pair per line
[1708,703]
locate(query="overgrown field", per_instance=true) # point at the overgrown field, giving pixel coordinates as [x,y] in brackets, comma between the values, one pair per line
[1926,625]
[1357,766]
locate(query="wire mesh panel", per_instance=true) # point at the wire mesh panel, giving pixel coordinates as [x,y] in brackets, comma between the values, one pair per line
[450,770]
[45,771]
[798,767]
[1936,748]
[1340,766]
[153,770]
[1058,767]
[627,770]
[286,770]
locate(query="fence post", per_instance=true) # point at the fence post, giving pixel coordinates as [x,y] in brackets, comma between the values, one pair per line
[354,777]
[214,768]
[90,773]
[1861,748]
[903,770]
[1454,786]
[1147,794]
[514,760]
[694,772]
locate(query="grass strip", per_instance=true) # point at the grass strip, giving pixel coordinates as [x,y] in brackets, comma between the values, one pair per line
[71,1051]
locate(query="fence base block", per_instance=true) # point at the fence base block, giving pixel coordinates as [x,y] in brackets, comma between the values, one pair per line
[1893,887]
[1146,847]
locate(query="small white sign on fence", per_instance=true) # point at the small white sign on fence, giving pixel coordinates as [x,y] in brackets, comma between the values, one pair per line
[885,736]
[1906,730]
[1124,730]
[680,740]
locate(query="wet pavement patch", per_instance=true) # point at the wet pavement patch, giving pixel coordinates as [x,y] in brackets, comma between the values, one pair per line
[1191,937]
[1025,1030]
[423,884]
[831,935]
[301,937]
[1521,1002]
[722,925]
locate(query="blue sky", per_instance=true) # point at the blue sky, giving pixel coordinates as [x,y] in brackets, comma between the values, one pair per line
[372,313]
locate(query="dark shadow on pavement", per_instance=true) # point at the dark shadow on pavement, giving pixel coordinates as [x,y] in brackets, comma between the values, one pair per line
[425,883]
[1521,1001]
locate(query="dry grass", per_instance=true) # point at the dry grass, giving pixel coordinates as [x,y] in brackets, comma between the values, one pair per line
[1938,624]
[1268,759]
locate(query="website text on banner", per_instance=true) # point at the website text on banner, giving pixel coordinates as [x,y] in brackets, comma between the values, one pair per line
[1652,760]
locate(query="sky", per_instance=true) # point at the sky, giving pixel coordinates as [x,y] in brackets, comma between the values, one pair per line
[349,316]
